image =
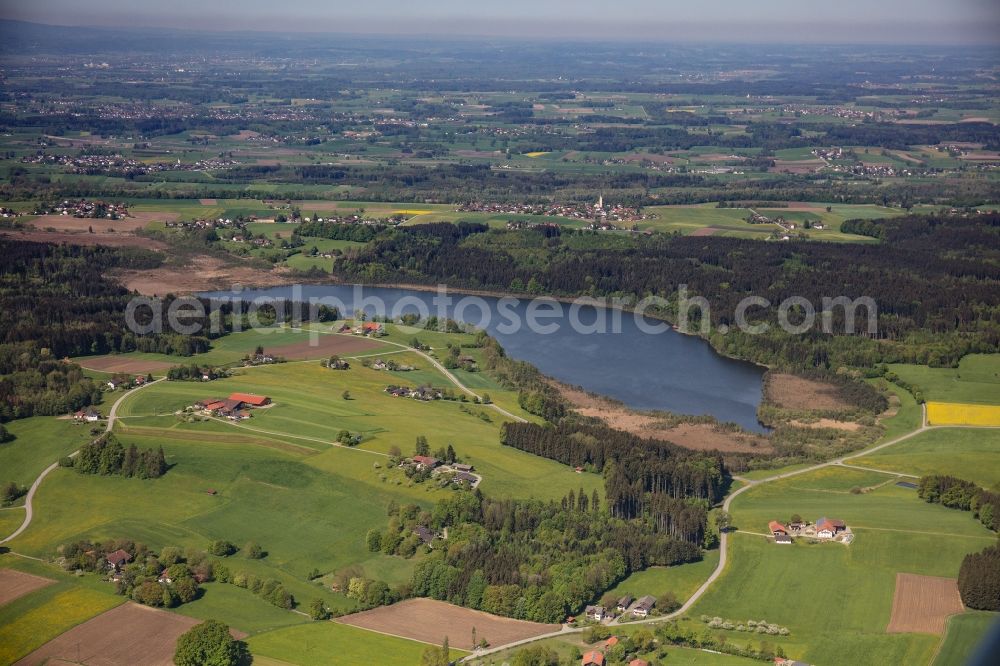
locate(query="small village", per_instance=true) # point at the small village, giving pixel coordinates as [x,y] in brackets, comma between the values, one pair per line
[84,208]
[595,211]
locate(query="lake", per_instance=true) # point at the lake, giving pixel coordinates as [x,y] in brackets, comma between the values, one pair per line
[665,370]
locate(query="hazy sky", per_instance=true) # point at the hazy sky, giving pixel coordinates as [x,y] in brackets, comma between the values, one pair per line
[905,21]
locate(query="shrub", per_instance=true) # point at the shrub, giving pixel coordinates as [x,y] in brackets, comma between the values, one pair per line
[222,548]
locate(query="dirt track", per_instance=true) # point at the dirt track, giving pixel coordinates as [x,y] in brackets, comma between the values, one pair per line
[15,584]
[430,621]
[113,363]
[922,604]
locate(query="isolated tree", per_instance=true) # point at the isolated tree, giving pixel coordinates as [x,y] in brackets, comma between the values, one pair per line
[723,520]
[209,644]
[317,610]
[253,550]
[422,447]
[346,395]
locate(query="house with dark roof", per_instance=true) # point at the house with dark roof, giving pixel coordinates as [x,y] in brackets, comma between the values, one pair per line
[782,539]
[644,606]
[118,559]
[595,613]
[624,603]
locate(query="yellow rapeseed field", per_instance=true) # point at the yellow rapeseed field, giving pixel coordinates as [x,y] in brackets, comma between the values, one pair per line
[537,153]
[955,413]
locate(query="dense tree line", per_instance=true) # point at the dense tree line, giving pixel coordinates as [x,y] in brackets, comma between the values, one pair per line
[107,456]
[979,579]
[642,477]
[956,493]
[536,560]
[934,279]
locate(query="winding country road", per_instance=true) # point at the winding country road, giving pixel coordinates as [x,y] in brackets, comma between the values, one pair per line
[723,540]
[29,512]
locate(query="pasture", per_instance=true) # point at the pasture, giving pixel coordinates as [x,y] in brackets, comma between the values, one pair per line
[680,580]
[963,635]
[962,452]
[976,380]
[322,643]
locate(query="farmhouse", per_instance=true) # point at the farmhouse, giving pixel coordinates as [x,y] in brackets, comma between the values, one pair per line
[118,559]
[592,658]
[777,528]
[782,539]
[461,467]
[471,479]
[624,603]
[369,328]
[595,613]
[644,606]
[250,399]
[89,414]
[426,461]
[828,528]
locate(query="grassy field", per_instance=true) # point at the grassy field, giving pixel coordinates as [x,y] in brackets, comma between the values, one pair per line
[964,633]
[39,442]
[681,580]
[976,380]
[895,532]
[965,453]
[314,643]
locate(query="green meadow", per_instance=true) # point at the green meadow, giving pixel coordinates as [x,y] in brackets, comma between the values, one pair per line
[975,380]
[963,635]
[972,454]
[314,643]
[680,580]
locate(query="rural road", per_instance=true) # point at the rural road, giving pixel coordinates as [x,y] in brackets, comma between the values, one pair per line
[29,512]
[723,540]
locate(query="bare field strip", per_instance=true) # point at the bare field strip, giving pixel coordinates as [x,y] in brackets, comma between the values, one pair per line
[922,604]
[325,345]
[430,621]
[15,584]
[134,221]
[125,635]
